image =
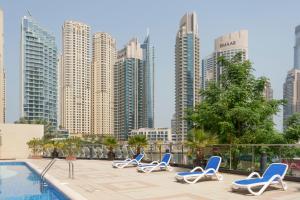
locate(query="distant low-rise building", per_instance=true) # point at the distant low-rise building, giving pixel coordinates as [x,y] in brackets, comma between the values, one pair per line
[154,134]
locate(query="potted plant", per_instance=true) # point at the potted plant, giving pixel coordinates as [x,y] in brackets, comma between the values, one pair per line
[36,147]
[197,141]
[138,141]
[71,146]
[110,142]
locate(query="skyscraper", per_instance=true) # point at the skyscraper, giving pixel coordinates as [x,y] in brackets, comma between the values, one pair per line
[129,89]
[291,87]
[297,48]
[227,46]
[2,71]
[291,93]
[76,78]
[38,72]
[187,71]
[268,91]
[208,70]
[104,58]
[148,58]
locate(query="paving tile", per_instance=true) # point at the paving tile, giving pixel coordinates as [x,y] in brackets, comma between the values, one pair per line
[95,179]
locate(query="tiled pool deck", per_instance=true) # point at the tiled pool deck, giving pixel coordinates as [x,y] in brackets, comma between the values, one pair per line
[97,180]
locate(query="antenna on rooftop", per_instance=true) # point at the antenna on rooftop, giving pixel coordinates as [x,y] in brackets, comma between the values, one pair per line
[148,31]
[28,12]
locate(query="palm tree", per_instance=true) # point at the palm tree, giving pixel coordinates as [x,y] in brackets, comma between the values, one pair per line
[36,146]
[197,141]
[71,146]
[138,141]
[111,142]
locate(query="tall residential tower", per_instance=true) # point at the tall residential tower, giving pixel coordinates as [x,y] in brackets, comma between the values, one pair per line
[187,71]
[291,87]
[291,93]
[227,46]
[2,71]
[297,48]
[104,58]
[38,72]
[148,58]
[76,78]
[133,88]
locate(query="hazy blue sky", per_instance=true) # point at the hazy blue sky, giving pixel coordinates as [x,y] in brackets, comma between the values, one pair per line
[270,23]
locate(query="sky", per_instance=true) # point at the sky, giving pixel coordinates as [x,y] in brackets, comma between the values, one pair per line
[270,24]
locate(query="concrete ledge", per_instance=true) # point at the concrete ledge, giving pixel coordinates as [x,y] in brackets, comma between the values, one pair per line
[56,183]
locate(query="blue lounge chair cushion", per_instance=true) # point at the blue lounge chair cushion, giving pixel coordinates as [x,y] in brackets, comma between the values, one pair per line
[139,157]
[166,159]
[213,162]
[251,181]
[273,169]
[189,173]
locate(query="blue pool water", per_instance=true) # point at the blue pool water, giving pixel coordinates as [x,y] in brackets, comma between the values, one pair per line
[19,182]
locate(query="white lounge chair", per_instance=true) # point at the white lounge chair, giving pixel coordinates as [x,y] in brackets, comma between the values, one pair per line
[156,165]
[128,162]
[273,175]
[211,170]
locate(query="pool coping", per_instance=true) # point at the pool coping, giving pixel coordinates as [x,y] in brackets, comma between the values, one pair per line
[67,191]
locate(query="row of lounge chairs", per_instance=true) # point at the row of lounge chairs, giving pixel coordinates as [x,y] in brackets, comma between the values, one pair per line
[94,152]
[274,174]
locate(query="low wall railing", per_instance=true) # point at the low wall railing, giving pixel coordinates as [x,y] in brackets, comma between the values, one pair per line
[236,158]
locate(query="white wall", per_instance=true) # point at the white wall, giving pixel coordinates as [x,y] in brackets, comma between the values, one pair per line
[13,139]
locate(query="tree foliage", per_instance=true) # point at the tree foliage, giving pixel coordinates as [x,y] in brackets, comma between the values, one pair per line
[292,131]
[36,146]
[235,108]
[138,141]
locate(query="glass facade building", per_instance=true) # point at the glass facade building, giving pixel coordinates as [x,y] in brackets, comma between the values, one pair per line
[187,72]
[38,72]
[133,88]
[291,86]
[148,58]
[297,48]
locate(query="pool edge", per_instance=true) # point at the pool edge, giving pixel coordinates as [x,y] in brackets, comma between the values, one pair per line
[67,191]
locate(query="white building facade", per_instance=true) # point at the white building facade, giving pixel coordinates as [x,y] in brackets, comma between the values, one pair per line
[104,58]
[154,134]
[76,78]
[227,46]
[2,71]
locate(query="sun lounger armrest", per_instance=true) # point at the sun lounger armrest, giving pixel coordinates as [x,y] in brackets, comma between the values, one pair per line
[254,174]
[273,178]
[210,169]
[135,161]
[155,162]
[197,168]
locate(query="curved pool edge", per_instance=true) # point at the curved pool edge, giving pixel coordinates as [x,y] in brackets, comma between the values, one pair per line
[55,182]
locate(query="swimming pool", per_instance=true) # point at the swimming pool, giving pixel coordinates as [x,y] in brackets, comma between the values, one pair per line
[19,182]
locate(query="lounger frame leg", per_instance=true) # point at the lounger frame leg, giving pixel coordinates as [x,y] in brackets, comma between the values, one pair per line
[194,181]
[280,181]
